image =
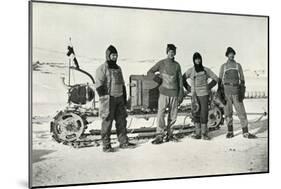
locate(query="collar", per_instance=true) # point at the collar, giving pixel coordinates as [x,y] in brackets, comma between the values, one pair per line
[231,61]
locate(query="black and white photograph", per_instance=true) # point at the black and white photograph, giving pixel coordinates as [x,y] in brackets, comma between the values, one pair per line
[122,94]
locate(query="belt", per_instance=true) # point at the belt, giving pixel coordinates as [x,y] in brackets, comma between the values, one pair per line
[231,84]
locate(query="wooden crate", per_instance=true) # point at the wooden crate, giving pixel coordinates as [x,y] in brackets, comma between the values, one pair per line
[144,93]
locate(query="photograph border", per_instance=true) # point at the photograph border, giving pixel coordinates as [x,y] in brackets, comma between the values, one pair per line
[30,95]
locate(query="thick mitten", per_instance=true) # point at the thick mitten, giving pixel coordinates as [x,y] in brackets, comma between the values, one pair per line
[241,94]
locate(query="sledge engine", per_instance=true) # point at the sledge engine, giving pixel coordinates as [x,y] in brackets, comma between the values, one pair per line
[69,124]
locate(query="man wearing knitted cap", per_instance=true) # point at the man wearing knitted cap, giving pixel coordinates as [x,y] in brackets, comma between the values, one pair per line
[167,73]
[200,89]
[232,82]
[111,89]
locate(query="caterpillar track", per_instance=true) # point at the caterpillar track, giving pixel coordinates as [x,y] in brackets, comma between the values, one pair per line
[69,126]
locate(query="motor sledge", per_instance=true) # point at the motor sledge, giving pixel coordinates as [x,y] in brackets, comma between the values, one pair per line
[70,124]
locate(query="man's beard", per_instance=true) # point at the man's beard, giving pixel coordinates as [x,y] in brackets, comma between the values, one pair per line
[112,64]
[198,67]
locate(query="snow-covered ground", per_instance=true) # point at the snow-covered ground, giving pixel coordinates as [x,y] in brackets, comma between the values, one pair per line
[55,164]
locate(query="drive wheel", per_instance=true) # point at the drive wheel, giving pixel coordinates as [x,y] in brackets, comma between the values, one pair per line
[215,117]
[67,126]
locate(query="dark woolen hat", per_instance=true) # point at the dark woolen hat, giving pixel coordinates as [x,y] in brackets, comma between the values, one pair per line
[229,50]
[171,47]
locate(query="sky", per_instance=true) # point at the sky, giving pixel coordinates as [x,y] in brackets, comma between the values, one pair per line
[144,34]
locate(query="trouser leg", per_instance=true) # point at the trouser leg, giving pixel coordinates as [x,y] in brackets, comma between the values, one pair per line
[121,122]
[172,116]
[162,104]
[204,109]
[228,112]
[197,126]
[107,123]
[106,132]
[241,113]
[196,115]
[196,121]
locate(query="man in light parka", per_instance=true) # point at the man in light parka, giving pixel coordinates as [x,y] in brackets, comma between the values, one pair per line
[111,89]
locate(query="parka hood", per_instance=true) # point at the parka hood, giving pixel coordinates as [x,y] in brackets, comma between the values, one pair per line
[198,67]
[111,49]
[112,64]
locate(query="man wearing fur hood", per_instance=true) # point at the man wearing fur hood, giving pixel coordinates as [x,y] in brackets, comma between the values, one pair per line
[200,89]
[111,89]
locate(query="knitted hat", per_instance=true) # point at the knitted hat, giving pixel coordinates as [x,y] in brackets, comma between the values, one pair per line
[229,50]
[171,47]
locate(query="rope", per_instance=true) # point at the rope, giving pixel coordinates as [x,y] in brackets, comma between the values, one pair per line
[265,114]
[255,121]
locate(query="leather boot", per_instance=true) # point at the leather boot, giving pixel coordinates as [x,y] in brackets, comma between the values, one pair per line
[197,134]
[229,131]
[246,133]
[127,145]
[204,128]
[158,139]
[107,148]
[205,131]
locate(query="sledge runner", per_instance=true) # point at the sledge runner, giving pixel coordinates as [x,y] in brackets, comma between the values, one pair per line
[232,83]
[167,73]
[200,89]
[111,89]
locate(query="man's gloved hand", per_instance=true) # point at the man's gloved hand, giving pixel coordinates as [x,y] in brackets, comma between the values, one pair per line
[241,93]
[180,100]
[195,106]
[185,93]
[102,90]
[186,86]
[212,84]
[125,95]
[157,79]
[221,94]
